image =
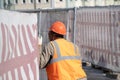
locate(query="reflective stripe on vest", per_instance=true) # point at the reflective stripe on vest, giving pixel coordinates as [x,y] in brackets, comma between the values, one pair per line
[62,57]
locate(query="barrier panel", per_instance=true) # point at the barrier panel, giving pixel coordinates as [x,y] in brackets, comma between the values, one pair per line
[98,36]
[95,30]
[18,46]
[46,18]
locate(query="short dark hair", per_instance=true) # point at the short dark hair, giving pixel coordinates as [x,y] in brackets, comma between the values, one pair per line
[56,34]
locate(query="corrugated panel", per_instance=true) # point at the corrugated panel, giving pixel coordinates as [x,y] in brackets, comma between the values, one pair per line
[47,18]
[95,30]
[98,36]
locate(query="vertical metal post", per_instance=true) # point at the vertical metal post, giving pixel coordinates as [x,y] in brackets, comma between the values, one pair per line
[67,35]
[39,23]
[114,31]
[74,25]
[42,72]
[112,16]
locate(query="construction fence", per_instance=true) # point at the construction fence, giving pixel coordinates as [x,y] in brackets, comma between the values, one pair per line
[96,31]
[98,36]
[18,46]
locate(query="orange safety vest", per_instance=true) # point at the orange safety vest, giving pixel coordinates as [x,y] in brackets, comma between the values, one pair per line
[65,63]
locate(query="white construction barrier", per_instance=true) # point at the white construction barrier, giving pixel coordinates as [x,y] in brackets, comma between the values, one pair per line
[18,46]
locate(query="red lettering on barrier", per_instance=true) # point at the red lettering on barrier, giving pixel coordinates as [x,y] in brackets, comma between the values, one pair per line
[7,33]
[20,47]
[13,35]
[19,73]
[26,71]
[17,62]
[34,70]
[30,34]
[13,74]
[11,43]
[25,39]
[15,38]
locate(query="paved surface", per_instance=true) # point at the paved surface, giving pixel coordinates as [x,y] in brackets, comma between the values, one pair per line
[95,74]
[92,74]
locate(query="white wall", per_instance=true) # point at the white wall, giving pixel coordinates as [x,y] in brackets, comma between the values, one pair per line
[59,4]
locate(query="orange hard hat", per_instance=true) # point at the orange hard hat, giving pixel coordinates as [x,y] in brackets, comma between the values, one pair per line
[58,27]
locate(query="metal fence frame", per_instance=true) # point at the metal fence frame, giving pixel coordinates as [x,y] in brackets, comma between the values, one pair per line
[106,57]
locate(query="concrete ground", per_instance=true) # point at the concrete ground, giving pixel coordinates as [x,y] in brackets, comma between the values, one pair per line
[95,74]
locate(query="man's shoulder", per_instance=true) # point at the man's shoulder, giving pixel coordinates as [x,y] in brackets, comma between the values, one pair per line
[49,44]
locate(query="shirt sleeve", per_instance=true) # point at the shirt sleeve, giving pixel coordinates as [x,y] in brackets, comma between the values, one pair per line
[46,55]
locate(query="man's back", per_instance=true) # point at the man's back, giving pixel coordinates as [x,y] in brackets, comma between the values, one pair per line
[65,64]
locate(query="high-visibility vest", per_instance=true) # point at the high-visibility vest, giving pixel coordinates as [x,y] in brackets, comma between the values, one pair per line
[65,63]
